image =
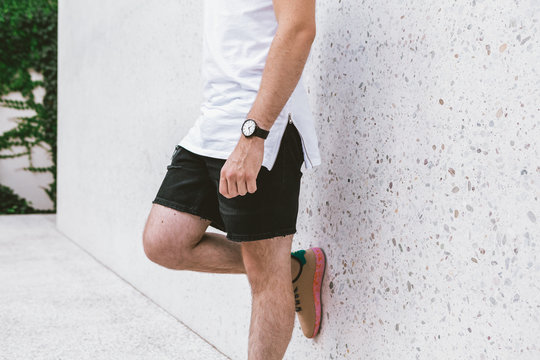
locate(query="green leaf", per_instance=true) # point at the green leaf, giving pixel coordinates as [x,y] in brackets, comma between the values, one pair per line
[28,29]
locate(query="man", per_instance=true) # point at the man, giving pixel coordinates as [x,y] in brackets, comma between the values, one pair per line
[238,168]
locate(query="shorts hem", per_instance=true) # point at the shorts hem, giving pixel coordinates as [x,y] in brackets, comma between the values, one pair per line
[261,236]
[187,209]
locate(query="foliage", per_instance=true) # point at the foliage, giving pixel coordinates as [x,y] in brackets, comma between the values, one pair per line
[28,41]
[10,203]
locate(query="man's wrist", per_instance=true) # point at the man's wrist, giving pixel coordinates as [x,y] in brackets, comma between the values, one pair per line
[251,142]
[261,121]
[253,138]
[263,125]
[252,129]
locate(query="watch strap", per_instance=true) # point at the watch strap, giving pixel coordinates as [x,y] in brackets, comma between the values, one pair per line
[259,132]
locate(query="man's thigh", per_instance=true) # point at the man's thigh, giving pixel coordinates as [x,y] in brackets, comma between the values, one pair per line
[170,228]
[268,261]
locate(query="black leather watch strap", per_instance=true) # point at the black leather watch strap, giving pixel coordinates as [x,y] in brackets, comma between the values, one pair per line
[259,132]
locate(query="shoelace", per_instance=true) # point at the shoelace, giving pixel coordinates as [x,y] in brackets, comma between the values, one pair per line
[296,294]
[296,299]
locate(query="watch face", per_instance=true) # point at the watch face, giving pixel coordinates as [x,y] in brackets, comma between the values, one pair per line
[249,127]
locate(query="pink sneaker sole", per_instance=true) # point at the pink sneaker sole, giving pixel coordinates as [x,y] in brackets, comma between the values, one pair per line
[320,267]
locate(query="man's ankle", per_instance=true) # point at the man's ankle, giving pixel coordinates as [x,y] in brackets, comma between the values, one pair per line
[295,267]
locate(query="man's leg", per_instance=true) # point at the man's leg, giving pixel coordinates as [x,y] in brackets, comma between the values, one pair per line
[178,240]
[268,267]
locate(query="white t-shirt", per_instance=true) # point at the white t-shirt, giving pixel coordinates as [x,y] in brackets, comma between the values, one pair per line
[236,40]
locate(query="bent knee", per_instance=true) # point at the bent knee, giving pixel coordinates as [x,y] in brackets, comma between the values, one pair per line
[153,246]
[164,250]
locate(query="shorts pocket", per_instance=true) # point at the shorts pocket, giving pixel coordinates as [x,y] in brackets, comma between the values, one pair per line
[177,149]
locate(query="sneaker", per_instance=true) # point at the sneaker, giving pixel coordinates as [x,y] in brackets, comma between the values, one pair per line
[307,288]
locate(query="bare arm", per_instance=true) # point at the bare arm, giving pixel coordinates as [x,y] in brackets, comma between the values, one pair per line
[284,65]
[286,58]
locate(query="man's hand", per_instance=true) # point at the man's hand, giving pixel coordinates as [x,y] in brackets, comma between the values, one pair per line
[284,65]
[239,173]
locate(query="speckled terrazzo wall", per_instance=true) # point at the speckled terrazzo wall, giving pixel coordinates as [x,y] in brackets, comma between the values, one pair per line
[427,199]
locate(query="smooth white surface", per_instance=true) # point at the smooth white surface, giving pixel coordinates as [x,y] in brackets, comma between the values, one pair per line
[57,302]
[127,70]
[426,201]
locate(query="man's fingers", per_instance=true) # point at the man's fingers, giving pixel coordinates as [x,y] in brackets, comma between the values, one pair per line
[223,188]
[251,184]
[231,185]
[242,188]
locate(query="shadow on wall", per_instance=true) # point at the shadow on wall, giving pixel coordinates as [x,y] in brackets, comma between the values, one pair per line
[338,89]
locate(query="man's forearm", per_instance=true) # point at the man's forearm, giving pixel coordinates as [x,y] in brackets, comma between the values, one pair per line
[284,65]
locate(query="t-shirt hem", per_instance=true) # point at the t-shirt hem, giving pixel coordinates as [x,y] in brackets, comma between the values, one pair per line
[267,162]
[219,154]
[204,151]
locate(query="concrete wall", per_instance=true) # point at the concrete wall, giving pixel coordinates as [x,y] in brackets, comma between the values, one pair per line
[24,183]
[427,201]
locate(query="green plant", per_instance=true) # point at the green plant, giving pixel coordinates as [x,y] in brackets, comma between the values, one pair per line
[28,33]
[10,203]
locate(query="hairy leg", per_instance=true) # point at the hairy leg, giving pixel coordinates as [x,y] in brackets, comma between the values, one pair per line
[179,240]
[268,267]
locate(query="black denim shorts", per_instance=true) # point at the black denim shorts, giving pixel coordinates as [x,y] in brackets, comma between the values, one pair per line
[191,185]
